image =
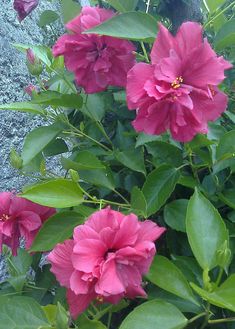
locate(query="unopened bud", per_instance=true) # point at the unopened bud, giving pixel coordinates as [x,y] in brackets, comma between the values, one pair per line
[15,159]
[224,255]
[74,175]
[33,63]
[30,89]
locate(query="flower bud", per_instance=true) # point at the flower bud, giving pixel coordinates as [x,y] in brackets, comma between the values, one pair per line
[30,89]
[33,63]
[24,7]
[15,159]
[224,255]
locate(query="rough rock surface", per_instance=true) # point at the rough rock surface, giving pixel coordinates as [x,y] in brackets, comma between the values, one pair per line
[13,78]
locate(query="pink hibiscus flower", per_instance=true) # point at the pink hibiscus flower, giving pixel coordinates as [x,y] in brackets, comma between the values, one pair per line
[20,218]
[97,61]
[178,90]
[24,7]
[106,259]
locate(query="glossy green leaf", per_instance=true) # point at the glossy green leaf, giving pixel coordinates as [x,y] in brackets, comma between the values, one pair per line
[167,276]
[226,146]
[98,177]
[21,313]
[132,25]
[175,214]
[213,7]
[69,9]
[84,160]
[226,35]
[57,146]
[95,105]
[163,152]
[206,230]
[223,297]
[47,17]
[123,5]
[54,98]
[58,193]
[159,185]
[23,107]
[133,159]
[228,197]
[138,202]
[37,140]
[85,323]
[56,229]
[155,314]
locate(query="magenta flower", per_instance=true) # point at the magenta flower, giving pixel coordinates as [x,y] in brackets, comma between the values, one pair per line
[179,89]
[24,7]
[106,259]
[20,218]
[97,61]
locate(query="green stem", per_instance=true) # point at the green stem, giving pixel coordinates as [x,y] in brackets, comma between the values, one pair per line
[219,276]
[207,317]
[102,312]
[144,51]
[219,14]
[197,317]
[221,320]
[109,320]
[108,202]
[122,197]
[101,128]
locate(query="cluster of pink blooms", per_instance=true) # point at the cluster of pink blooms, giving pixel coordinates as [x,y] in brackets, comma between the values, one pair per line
[179,89]
[106,259]
[97,61]
[20,218]
[24,7]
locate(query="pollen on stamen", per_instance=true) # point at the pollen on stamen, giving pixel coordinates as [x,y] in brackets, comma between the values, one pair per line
[4,217]
[100,299]
[177,82]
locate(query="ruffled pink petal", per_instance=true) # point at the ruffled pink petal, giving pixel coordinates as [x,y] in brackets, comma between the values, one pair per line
[104,218]
[136,79]
[149,231]
[78,303]
[162,45]
[77,284]
[127,233]
[87,254]
[61,264]
[109,282]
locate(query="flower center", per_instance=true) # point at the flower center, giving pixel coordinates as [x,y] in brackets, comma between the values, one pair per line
[4,217]
[108,252]
[177,83]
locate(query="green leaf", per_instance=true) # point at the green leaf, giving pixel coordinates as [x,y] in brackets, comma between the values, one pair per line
[57,146]
[228,197]
[54,98]
[84,160]
[159,185]
[133,159]
[226,146]
[143,138]
[206,230]
[132,25]
[95,105]
[226,35]
[85,323]
[23,107]
[21,313]
[47,17]
[155,314]
[138,202]
[213,7]
[123,5]
[42,52]
[175,214]
[58,193]
[62,319]
[37,140]
[167,276]
[98,177]
[69,9]
[223,297]
[165,153]
[56,229]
